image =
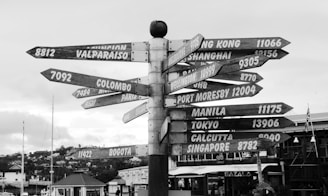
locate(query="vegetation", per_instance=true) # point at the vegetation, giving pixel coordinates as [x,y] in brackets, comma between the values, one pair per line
[37,165]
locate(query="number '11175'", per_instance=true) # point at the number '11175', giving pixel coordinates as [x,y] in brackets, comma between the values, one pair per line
[270,109]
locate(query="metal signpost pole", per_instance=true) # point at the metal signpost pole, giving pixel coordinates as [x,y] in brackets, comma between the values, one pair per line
[158,159]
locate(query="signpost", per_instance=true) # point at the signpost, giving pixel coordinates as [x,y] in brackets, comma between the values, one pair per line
[275,108]
[229,66]
[88,54]
[228,57]
[240,76]
[184,50]
[230,124]
[111,100]
[132,46]
[231,54]
[112,152]
[200,74]
[89,92]
[204,137]
[207,85]
[237,145]
[235,43]
[135,112]
[68,77]
[164,128]
[234,91]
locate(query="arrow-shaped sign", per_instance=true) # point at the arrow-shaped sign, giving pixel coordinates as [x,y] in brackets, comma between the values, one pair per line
[164,128]
[198,75]
[213,69]
[111,100]
[112,152]
[88,54]
[207,85]
[232,54]
[233,91]
[239,76]
[135,112]
[229,66]
[68,77]
[89,92]
[236,145]
[185,50]
[133,46]
[208,137]
[275,108]
[235,43]
[230,124]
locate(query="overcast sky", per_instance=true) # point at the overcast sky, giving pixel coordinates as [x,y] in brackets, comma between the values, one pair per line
[299,79]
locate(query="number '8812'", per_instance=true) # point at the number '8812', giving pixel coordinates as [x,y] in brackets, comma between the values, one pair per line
[45,52]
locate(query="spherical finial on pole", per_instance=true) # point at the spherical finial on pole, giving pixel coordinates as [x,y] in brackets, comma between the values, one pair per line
[158,29]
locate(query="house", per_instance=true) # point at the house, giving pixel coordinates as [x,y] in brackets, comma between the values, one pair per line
[78,184]
[14,174]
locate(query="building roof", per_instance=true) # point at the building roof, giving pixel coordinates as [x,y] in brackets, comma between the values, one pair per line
[205,169]
[117,181]
[315,117]
[79,179]
[15,167]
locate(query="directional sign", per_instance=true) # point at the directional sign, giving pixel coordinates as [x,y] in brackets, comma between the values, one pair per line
[207,85]
[164,128]
[237,145]
[95,82]
[231,54]
[229,66]
[213,69]
[240,76]
[89,92]
[275,108]
[233,91]
[198,75]
[111,100]
[185,50]
[140,46]
[208,137]
[112,152]
[230,124]
[88,54]
[235,43]
[135,112]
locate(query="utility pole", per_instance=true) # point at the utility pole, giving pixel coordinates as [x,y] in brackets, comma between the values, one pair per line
[52,145]
[22,168]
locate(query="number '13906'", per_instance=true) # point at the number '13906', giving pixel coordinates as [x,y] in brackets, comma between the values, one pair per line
[266,123]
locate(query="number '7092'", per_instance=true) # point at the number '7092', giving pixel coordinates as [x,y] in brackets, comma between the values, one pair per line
[61,76]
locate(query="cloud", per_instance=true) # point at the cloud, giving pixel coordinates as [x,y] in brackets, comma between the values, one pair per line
[37,132]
